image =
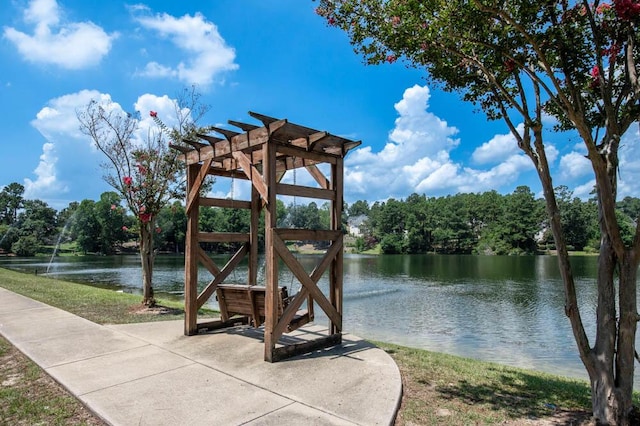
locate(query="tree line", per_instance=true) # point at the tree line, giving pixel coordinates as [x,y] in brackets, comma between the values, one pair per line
[479,223]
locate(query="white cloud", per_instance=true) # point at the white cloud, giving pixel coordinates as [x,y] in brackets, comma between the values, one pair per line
[69,158]
[417,158]
[46,181]
[629,175]
[575,165]
[207,52]
[69,45]
[497,149]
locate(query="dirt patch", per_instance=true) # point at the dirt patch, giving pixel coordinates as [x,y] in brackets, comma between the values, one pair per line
[154,310]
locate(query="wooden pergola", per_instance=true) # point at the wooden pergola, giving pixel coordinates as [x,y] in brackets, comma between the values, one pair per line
[262,155]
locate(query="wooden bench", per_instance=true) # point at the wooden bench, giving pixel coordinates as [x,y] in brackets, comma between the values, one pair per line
[249,301]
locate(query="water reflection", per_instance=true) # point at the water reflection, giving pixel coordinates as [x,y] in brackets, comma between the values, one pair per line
[504,309]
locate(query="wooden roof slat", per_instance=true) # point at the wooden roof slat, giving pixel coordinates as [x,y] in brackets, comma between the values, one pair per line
[265,119]
[244,126]
[211,139]
[182,149]
[197,145]
[226,133]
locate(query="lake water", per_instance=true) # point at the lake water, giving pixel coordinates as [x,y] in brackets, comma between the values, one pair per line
[496,308]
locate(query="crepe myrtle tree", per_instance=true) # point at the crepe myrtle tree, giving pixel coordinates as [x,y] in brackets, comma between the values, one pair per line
[145,173]
[519,61]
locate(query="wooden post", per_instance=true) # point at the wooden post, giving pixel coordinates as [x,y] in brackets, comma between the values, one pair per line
[271,258]
[256,207]
[191,255]
[335,276]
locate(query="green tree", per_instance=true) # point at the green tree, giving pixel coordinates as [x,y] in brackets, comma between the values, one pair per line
[11,200]
[358,208]
[112,222]
[519,61]
[144,173]
[86,228]
[172,227]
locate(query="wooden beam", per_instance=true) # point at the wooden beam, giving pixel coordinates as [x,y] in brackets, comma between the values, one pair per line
[242,141]
[228,134]
[315,172]
[288,351]
[291,234]
[194,191]
[197,145]
[271,257]
[226,203]
[208,263]
[252,173]
[182,149]
[265,119]
[224,273]
[244,126]
[223,237]
[319,157]
[191,258]
[305,191]
[211,139]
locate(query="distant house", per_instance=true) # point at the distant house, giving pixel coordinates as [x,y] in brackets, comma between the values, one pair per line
[355,225]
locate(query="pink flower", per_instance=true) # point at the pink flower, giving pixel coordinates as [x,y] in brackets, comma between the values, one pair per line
[142,209]
[145,217]
[509,65]
[331,20]
[391,58]
[113,207]
[595,72]
[127,180]
[603,7]
[627,10]
[142,169]
[158,230]
[395,21]
[153,113]
[124,228]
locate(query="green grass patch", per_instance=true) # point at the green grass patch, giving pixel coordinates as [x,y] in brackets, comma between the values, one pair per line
[95,304]
[442,389]
[28,396]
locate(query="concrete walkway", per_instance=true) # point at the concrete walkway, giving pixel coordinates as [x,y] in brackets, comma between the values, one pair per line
[151,374]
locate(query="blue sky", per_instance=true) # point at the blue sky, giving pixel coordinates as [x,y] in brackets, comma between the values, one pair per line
[277,58]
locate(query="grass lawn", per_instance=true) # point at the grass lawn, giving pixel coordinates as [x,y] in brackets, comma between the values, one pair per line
[439,389]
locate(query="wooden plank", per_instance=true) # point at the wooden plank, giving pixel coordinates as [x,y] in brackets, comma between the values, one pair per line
[226,203]
[288,351]
[224,273]
[299,272]
[252,173]
[208,263]
[223,172]
[305,191]
[315,172]
[223,237]
[292,234]
[194,191]
[217,324]
[191,259]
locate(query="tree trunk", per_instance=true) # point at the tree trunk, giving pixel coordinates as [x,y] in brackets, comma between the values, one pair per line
[147,256]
